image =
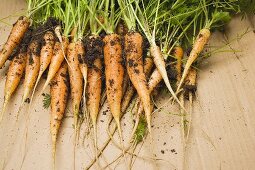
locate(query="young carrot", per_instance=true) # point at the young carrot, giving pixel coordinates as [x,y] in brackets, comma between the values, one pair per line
[59,95]
[114,73]
[161,66]
[56,60]
[156,78]
[84,71]
[133,50]
[125,102]
[178,53]
[189,89]
[32,68]
[76,82]
[82,61]
[16,35]
[198,47]
[94,48]
[45,56]
[15,71]
[148,64]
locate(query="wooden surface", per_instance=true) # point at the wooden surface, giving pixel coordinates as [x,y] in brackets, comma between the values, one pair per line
[223,118]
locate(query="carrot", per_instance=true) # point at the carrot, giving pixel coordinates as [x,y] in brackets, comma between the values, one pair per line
[45,56]
[125,102]
[156,78]
[82,61]
[161,66]
[15,71]
[56,60]
[114,73]
[190,81]
[59,95]
[189,88]
[148,64]
[16,35]
[198,47]
[127,97]
[32,68]
[94,48]
[133,50]
[178,53]
[83,67]
[76,82]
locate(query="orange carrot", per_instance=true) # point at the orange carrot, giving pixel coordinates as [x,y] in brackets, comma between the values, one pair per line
[94,52]
[76,81]
[156,77]
[148,64]
[45,56]
[82,61]
[59,95]
[15,71]
[32,68]
[114,73]
[83,67]
[161,66]
[56,60]
[16,35]
[133,50]
[178,53]
[190,81]
[198,47]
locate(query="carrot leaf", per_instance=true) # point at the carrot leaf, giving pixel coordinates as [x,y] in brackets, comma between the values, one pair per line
[46,101]
[141,130]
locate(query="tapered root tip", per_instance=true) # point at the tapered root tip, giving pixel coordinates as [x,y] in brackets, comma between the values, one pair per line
[6,100]
[54,155]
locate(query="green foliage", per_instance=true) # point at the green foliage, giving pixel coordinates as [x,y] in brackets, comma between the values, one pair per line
[141,129]
[46,101]
[220,19]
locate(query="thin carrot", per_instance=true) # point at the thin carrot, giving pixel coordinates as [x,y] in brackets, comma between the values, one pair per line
[148,64]
[156,78]
[178,53]
[133,50]
[45,56]
[82,61]
[94,48]
[198,47]
[32,68]
[16,35]
[189,88]
[56,60]
[76,82]
[59,95]
[15,71]
[114,72]
[84,71]
[161,66]
[190,81]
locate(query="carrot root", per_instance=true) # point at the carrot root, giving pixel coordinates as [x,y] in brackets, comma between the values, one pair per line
[198,47]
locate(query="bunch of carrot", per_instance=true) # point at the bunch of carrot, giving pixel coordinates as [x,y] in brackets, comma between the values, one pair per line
[78,42]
